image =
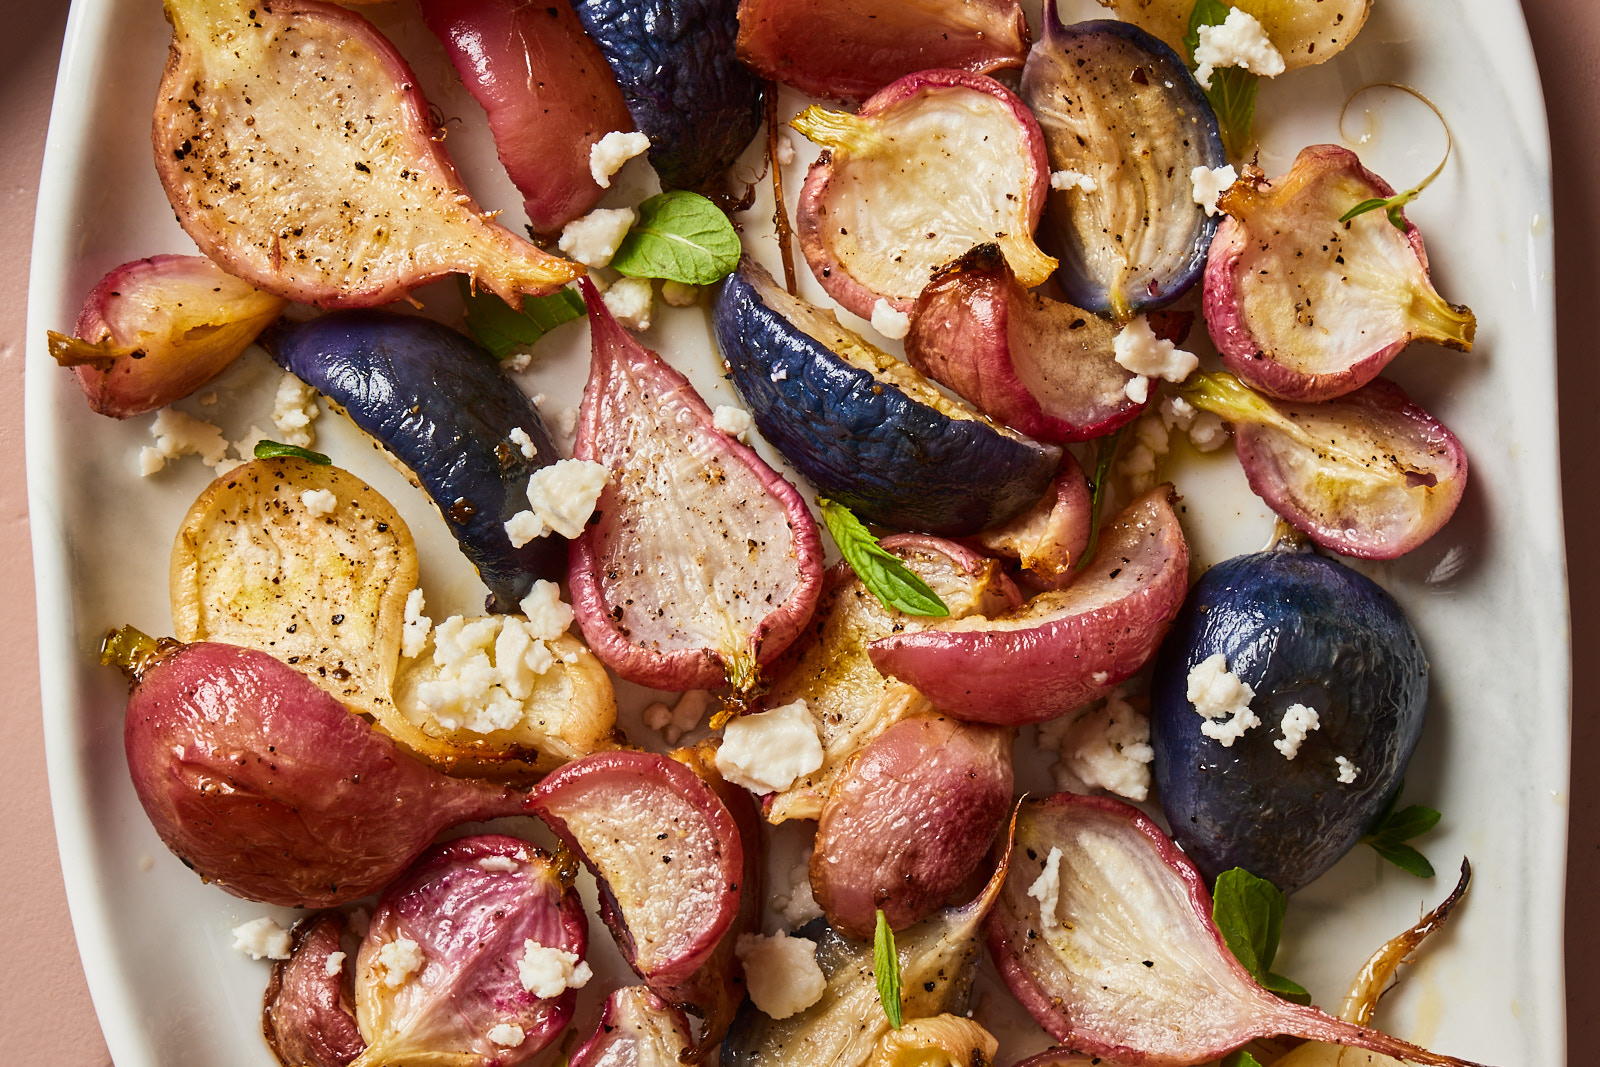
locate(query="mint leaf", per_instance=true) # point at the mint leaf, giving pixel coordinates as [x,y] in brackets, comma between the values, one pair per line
[888,579]
[1240,1058]
[502,329]
[275,449]
[1391,830]
[682,237]
[1248,913]
[1233,89]
[886,968]
[1405,857]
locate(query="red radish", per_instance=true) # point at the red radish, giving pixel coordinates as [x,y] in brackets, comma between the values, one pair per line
[308,1015]
[1063,648]
[637,1029]
[702,563]
[1050,538]
[155,330]
[548,91]
[296,149]
[1103,931]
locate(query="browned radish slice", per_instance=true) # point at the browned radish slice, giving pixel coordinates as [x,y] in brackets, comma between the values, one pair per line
[937,162]
[664,848]
[911,817]
[1103,931]
[157,329]
[1370,474]
[849,49]
[1065,647]
[637,1029]
[1038,365]
[1051,537]
[1305,34]
[1305,307]
[308,1014]
[297,151]
[702,563]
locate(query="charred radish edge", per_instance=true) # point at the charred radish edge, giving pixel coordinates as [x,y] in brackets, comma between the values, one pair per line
[1051,537]
[846,50]
[636,1029]
[1042,367]
[308,1015]
[1140,156]
[1075,1006]
[233,87]
[1386,488]
[1063,648]
[613,411]
[856,275]
[648,797]
[1288,231]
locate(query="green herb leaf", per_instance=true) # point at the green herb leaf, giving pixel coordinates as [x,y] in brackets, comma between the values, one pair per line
[886,967]
[275,449]
[885,577]
[682,237]
[1233,89]
[1405,857]
[1240,1058]
[1364,207]
[1105,454]
[1204,13]
[501,329]
[1391,830]
[1248,912]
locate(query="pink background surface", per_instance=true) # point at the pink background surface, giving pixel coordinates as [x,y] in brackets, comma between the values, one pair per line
[45,1014]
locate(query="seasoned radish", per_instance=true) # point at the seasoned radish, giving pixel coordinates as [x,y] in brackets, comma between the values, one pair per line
[1065,647]
[946,1040]
[472,958]
[849,49]
[1049,539]
[342,196]
[1370,474]
[1121,112]
[548,91]
[1304,34]
[1103,931]
[253,565]
[933,164]
[308,1014]
[664,848]
[637,1029]
[269,787]
[1303,306]
[831,671]
[703,563]
[1042,367]
[155,330]
[913,814]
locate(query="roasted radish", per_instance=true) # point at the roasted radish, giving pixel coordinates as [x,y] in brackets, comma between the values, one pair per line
[1050,538]
[637,1029]
[308,1015]
[1304,34]
[340,196]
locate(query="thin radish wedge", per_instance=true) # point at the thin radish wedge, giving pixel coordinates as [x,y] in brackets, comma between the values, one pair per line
[703,563]
[1305,307]
[308,1014]
[1063,648]
[1370,474]
[1103,931]
[637,1029]
[1049,539]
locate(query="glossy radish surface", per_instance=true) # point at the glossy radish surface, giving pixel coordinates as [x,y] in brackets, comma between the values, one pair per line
[308,1014]
[1304,34]
[637,1029]
[1049,539]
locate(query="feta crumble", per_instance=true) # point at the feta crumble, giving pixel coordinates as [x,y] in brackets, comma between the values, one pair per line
[519,437]
[607,155]
[630,301]
[1139,350]
[785,149]
[400,959]
[1046,889]
[561,497]
[506,1035]
[1210,183]
[678,294]
[766,752]
[487,669]
[1347,770]
[1297,722]
[294,408]
[179,435]
[1223,699]
[672,723]
[1073,179]
[262,939]
[548,616]
[497,864]
[1137,389]
[593,239]
[733,421]
[414,632]
[1238,42]
[798,905]
[320,502]
[891,323]
[549,972]
[1204,428]
[334,964]
[1105,748]
[781,973]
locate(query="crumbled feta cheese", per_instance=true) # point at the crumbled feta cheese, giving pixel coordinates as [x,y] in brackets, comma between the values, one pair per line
[567,422]
[1210,183]
[262,939]
[180,435]
[414,631]
[294,407]
[630,302]
[1298,721]
[334,964]
[766,752]
[798,905]
[1223,698]
[507,1035]
[1347,770]
[781,973]
[679,295]
[1238,42]
[1138,389]
[519,437]
[1072,179]
[1139,350]
[497,864]
[607,155]
[1046,889]
[561,498]
[547,614]
[785,149]
[549,972]
[487,668]
[888,321]
[672,723]
[320,502]
[1203,427]
[1108,748]
[400,959]
[733,421]
[593,239]
[246,445]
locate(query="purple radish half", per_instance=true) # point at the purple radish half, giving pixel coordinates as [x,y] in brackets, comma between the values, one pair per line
[308,1015]
[637,1029]
[702,563]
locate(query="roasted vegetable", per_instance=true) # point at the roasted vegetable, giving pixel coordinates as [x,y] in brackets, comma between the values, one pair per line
[937,1041]
[308,1014]
[155,330]
[1305,34]
[381,209]
[637,1029]
[1050,538]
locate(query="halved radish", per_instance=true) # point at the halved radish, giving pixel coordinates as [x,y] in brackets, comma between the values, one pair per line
[308,1014]
[1049,539]
[637,1029]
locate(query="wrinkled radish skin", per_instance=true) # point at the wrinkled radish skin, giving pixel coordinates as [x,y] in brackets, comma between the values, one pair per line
[308,1014]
